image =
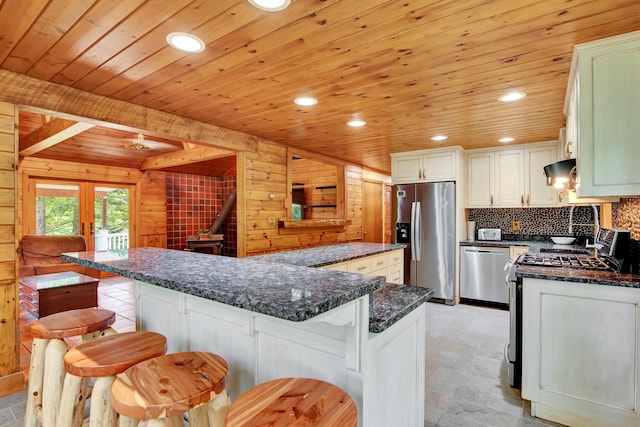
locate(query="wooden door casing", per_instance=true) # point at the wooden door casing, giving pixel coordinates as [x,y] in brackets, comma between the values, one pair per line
[373,215]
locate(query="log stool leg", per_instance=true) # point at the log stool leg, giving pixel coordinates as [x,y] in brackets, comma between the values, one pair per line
[93,335]
[36,379]
[46,372]
[101,403]
[101,360]
[53,380]
[161,390]
[217,408]
[74,397]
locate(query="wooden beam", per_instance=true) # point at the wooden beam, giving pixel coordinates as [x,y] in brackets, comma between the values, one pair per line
[50,134]
[78,105]
[311,155]
[179,158]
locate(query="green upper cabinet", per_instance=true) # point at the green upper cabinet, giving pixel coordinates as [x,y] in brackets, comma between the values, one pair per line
[603,115]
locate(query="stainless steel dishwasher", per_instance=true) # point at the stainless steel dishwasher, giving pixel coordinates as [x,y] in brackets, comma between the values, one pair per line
[482,273]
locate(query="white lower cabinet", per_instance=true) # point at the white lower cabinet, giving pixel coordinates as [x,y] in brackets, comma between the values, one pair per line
[581,352]
[389,264]
[384,373]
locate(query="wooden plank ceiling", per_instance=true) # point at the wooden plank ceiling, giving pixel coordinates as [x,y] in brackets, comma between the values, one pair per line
[411,69]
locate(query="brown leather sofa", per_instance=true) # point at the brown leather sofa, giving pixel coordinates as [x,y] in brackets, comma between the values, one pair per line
[41,255]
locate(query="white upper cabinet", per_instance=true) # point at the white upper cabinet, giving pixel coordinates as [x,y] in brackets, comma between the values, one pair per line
[480,179]
[604,85]
[425,165]
[537,192]
[512,177]
[509,178]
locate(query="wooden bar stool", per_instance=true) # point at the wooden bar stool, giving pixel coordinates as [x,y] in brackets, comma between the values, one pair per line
[46,371]
[293,402]
[163,389]
[101,360]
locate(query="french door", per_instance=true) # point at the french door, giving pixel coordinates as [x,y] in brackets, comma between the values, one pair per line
[100,212]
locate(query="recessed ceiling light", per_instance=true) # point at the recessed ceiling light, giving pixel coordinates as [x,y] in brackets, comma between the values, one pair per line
[506,139]
[271,5]
[512,96]
[185,42]
[305,100]
[439,137]
[356,123]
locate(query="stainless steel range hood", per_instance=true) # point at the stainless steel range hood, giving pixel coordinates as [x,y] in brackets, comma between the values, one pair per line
[559,174]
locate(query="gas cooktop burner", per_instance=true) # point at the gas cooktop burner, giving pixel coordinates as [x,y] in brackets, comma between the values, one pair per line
[586,262]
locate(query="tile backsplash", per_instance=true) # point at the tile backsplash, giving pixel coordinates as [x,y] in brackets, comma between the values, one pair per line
[627,216]
[536,221]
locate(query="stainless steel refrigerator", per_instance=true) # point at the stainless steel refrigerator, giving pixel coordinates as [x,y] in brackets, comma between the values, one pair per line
[425,219]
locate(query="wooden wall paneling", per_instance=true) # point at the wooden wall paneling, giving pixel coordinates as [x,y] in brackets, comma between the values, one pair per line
[241,195]
[354,184]
[152,215]
[12,379]
[265,172]
[320,187]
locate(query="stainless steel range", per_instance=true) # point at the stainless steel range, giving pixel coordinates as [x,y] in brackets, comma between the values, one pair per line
[564,260]
[608,253]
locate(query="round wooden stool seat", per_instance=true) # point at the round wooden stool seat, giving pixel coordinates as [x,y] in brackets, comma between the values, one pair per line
[172,385]
[293,402]
[46,372]
[101,360]
[72,323]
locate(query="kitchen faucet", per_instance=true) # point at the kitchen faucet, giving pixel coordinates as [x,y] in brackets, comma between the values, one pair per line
[596,224]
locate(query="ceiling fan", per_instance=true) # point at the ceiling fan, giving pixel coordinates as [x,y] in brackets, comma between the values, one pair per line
[140,143]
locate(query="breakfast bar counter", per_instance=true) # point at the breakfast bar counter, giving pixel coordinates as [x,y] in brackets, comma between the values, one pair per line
[272,320]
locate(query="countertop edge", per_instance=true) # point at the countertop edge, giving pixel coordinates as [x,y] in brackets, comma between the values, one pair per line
[581,276]
[307,257]
[379,321]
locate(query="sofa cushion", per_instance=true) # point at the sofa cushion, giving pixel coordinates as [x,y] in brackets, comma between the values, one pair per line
[41,255]
[35,249]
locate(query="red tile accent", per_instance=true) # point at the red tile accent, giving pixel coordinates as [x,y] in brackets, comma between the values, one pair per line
[193,202]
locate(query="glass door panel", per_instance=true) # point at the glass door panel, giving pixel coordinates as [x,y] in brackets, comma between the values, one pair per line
[98,211]
[111,215]
[57,208]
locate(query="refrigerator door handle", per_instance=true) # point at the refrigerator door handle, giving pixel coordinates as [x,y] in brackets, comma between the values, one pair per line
[418,232]
[413,231]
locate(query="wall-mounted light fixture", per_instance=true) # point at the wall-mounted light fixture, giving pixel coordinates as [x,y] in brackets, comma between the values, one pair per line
[561,174]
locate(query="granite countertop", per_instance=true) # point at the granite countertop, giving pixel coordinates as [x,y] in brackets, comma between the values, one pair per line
[392,302]
[285,291]
[387,305]
[577,275]
[327,255]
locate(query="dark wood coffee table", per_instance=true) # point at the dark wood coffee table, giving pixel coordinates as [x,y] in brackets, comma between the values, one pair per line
[45,294]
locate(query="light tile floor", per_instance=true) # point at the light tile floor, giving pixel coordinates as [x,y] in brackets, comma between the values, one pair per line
[466,379]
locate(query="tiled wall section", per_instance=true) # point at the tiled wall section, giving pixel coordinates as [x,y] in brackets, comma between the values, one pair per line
[535,221]
[193,201]
[627,216]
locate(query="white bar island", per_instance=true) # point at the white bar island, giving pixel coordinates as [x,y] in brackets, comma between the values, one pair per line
[273,320]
